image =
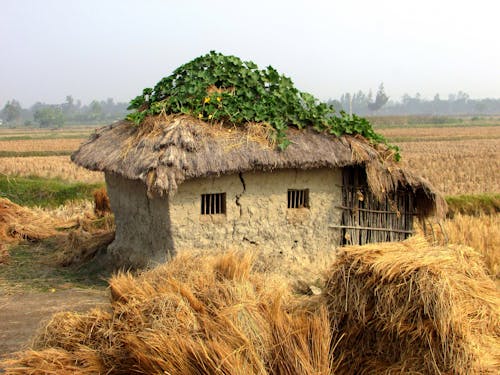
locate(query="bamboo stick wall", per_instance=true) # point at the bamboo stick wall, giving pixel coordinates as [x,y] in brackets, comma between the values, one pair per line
[366,220]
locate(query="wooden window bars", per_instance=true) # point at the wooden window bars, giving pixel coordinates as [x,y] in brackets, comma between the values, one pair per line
[298,198]
[213,204]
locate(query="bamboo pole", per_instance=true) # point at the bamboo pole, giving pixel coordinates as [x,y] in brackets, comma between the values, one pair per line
[371,228]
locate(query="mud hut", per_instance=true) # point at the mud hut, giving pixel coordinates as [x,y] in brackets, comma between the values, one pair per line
[215,177]
[186,184]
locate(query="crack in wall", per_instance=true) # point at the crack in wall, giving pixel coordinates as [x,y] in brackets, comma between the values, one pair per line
[250,241]
[237,201]
[238,196]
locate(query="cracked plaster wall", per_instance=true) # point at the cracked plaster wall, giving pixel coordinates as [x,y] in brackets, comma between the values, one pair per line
[149,231]
[257,213]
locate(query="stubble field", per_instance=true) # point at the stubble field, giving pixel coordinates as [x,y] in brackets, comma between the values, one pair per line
[456,160]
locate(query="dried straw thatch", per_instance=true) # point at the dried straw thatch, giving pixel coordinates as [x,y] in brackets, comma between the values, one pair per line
[193,315]
[412,308]
[167,150]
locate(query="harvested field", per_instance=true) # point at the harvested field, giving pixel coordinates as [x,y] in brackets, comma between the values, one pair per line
[50,167]
[459,167]
[441,133]
[214,316]
[44,132]
[25,145]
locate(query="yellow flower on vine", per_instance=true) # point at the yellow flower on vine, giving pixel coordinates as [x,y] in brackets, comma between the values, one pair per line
[210,117]
[200,116]
[207,99]
[219,99]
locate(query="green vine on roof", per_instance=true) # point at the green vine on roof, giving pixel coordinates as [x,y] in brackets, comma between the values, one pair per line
[216,87]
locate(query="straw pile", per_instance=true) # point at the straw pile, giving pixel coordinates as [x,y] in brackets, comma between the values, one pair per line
[194,315]
[411,308]
[102,205]
[80,246]
[21,223]
[4,254]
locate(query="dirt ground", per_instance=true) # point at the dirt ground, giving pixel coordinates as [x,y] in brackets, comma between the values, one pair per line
[21,314]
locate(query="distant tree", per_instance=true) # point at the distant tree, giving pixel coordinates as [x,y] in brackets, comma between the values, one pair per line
[95,111]
[49,116]
[381,99]
[69,105]
[11,112]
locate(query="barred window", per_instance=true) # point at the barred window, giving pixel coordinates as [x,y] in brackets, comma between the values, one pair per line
[298,198]
[213,204]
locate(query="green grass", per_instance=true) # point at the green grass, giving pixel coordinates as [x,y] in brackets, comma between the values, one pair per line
[25,154]
[44,192]
[473,204]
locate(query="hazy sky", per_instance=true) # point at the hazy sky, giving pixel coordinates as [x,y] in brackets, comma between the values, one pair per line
[114,48]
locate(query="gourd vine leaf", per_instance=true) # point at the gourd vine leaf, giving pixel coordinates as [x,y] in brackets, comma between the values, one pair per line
[217,87]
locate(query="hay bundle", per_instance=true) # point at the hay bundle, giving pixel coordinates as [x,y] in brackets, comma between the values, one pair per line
[80,246]
[194,315]
[17,222]
[412,308]
[102,205]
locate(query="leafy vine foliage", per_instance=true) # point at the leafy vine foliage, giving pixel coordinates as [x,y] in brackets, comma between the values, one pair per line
[216,87]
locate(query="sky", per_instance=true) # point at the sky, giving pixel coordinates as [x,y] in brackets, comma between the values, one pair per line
[103,49]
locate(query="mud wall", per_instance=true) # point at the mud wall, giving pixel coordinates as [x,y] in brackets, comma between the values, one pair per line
[142,225]
[257,213]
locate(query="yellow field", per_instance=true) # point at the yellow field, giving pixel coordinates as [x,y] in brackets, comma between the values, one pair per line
[450,133]
[48,166]
[456,167]
[26,145]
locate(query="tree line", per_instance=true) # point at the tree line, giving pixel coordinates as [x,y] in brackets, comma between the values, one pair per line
[380,104]
[67,113]
[364,104]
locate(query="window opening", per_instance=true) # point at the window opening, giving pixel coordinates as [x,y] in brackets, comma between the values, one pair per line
[213,204]
[298,198]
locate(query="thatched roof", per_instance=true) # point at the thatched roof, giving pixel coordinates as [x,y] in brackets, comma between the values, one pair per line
[166,151]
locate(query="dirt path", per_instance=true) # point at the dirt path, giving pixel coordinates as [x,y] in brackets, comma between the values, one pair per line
[21,314]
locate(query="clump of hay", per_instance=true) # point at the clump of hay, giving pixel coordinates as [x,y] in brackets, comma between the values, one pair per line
[80,246]
[21,223]
[413,308]
[80,234]
[192,315]
[101,202]
[4,254]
